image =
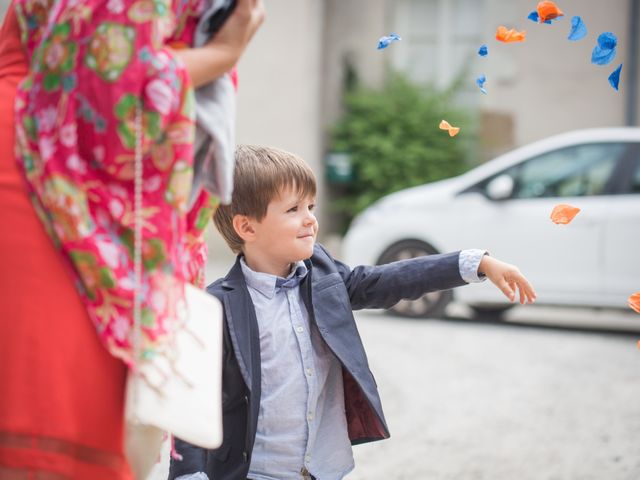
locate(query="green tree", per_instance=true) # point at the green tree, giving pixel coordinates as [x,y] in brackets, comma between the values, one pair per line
[394,141]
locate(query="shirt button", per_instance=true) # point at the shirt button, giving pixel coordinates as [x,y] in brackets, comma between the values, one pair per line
[309,371]
[299,329]
[309,416]
[307,458]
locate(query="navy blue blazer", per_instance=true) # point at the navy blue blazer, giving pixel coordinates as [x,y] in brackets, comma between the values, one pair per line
[331,290]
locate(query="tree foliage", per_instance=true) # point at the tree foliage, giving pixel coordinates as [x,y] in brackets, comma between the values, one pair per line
[394,141]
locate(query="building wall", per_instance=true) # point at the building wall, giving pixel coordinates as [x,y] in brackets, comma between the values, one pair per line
[351,33]
[541,87]
[548,84]
[281,74]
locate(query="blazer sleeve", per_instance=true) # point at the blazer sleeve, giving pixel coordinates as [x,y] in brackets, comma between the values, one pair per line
[382,286]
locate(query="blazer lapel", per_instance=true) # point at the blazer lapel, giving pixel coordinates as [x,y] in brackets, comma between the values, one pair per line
[243,327]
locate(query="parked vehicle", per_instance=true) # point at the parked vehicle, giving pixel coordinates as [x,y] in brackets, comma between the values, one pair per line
[504,207]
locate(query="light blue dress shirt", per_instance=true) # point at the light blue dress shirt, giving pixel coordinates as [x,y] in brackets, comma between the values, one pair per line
[302,425]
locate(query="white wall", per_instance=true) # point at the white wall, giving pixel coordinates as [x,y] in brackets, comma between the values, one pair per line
[279,100]
[351,33]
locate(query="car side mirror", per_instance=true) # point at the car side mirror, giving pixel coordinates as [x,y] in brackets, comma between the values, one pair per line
[500,188]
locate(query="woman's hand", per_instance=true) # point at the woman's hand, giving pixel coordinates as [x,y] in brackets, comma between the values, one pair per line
[223,51]
[508,279]
[238,30]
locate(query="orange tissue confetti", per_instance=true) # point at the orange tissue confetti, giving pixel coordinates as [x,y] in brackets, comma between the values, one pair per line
[508,36]
[563,213]
[453,131]
[548,11]
[634,301]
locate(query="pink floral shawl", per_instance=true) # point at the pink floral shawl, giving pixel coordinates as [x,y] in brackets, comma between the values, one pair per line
[91,63]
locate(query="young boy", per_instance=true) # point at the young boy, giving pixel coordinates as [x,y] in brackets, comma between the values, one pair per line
[297,389]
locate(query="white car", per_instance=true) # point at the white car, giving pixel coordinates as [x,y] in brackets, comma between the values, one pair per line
[504,206]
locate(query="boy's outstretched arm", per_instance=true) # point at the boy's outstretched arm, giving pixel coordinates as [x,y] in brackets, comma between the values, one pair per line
[382,286]
[508,279]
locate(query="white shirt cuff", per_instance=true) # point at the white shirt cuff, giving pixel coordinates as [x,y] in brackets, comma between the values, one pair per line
[469,262]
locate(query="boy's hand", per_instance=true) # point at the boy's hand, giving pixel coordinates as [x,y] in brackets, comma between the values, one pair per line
[507,278]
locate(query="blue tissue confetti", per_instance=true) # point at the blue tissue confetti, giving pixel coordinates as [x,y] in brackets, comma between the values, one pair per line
[607,41]
[534,17]
[483,51]
[602,57]
[578,29]
[605,51]
[386,40]
[614,78]
[480,82]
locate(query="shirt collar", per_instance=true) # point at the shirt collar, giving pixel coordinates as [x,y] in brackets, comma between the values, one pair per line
[265,283]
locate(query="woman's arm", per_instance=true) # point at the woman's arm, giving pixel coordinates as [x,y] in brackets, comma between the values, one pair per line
[223,51]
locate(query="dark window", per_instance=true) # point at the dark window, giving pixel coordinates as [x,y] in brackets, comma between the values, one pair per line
[581,170]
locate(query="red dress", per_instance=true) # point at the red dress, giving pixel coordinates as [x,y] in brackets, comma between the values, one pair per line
[61,392]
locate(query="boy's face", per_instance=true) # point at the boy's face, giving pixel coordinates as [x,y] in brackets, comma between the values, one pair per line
[288,231]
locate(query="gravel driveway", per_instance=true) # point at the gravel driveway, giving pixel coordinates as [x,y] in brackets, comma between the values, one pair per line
[471,401]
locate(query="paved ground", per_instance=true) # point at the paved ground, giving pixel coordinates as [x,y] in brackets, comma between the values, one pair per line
[471,401]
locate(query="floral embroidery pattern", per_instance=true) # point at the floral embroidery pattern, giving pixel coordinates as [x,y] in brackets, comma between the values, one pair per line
[58,59]
[89,70]
[110,50]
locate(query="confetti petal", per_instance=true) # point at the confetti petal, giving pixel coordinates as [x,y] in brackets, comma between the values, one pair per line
[503,34]
[453,131]
[607,41]
[605,51]
[533,16]
[634,301]
[480,82]
[578,29]
[548,11]
[614,78]
[483,51]
[563,213]
[386,40]
[602,57]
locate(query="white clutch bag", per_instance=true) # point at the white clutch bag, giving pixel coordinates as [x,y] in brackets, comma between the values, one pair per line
[188,400]
[177,391]
[184,399]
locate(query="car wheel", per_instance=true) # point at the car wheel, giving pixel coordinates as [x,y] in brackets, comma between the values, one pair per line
[431,305]
[490,312]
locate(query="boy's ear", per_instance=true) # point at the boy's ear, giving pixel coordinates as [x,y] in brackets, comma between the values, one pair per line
[243,225]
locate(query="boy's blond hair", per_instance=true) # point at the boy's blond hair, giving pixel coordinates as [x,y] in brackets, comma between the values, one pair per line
[260,175]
